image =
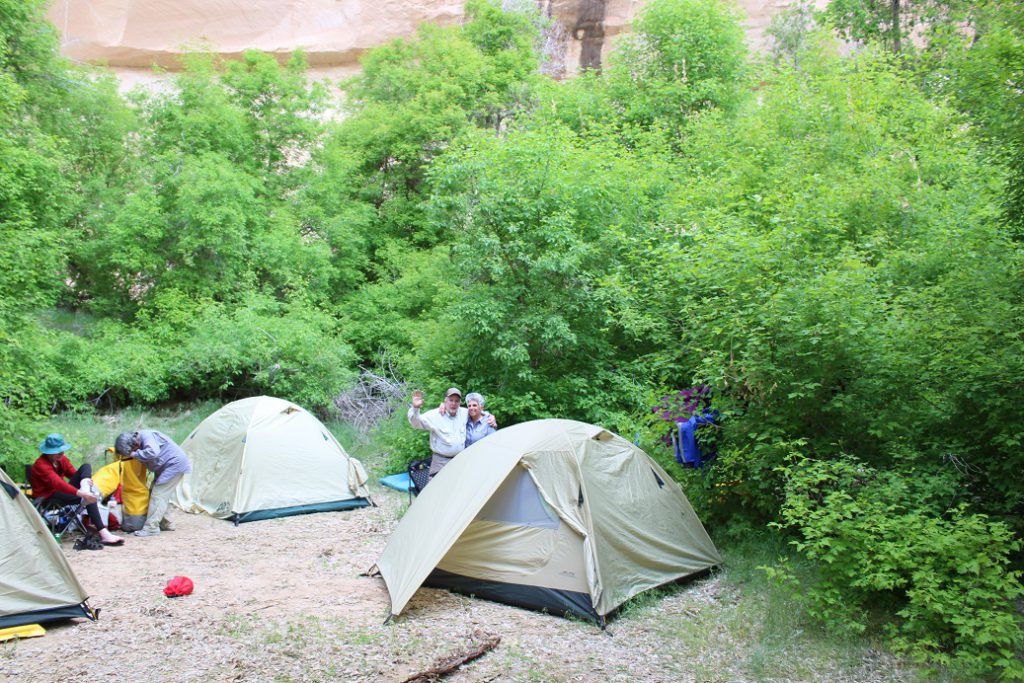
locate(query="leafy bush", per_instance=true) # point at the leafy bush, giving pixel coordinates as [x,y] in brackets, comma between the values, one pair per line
[946,580]
[686,56]
[540,217]
[400,443]
[16,448]
[182,349]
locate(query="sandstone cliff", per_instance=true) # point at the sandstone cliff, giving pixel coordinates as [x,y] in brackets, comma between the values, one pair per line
[133,35]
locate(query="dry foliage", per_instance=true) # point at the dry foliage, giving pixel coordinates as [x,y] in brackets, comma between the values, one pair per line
[372,398]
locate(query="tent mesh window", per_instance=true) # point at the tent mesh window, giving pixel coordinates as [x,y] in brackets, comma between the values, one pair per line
[518,501]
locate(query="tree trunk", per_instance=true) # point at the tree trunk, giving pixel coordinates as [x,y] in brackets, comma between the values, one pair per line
[896,28]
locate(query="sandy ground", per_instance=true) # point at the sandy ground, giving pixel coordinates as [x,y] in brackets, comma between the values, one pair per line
[284,600]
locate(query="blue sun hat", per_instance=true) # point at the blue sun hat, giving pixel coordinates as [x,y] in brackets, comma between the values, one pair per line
[54,443]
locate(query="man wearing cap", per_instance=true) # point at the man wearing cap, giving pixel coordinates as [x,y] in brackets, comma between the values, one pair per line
[48,475]
[447,427]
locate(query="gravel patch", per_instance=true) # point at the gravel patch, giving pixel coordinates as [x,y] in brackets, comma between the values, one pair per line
[284,600]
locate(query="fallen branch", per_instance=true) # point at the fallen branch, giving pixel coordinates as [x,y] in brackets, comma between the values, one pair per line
[272,604]
[446,666]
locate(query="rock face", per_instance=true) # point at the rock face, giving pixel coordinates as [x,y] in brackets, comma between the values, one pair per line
[140,33]
[134,35]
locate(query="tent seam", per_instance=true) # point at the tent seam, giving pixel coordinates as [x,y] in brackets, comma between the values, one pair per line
[241,461]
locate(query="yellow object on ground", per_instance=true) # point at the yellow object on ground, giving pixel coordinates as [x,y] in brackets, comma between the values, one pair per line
[26,631]
[134,493]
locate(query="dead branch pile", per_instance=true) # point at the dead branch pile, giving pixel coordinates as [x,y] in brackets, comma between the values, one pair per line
[372,399]
[484,643]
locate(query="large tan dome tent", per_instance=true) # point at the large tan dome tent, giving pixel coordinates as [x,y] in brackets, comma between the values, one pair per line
[36,581]
[265,457]
[553,515]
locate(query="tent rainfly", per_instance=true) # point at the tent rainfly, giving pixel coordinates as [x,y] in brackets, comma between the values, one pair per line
[265,457]
[553,515]
[36,581]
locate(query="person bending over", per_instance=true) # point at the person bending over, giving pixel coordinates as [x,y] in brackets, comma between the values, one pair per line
[167,462]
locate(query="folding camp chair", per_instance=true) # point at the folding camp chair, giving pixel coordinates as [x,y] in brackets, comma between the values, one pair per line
[60,517]
[26,488]
[419,475]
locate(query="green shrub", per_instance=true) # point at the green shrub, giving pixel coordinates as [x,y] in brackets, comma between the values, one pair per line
[400,443]
[741,482]
[944,582]
[181,349]
[16,448]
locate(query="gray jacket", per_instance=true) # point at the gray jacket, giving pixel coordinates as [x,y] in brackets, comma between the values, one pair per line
[161,456]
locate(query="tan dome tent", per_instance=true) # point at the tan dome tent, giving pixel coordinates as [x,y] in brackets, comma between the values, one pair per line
[553,515]
[36,581]
[265,457]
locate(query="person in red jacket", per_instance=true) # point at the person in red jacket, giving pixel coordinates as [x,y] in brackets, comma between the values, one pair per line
[55,480]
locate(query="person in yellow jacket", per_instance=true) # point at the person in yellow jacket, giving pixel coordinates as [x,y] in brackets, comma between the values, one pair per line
[131,476]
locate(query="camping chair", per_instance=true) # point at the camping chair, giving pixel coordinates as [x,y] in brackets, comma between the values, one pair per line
[419,475]
[26,488]
[60,518]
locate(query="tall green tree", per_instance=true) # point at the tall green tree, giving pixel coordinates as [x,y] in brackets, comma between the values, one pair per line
[539,220]
[984,75]
[208,207]
[61,134]
[412,99]
[830,236]
[34,204]
[369,196]
[61,140]
[898,24]
[684,57]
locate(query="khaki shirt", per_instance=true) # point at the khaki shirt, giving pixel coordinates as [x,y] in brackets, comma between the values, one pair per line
[447,432]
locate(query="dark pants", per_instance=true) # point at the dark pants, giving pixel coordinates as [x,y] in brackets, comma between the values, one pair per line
[84,472]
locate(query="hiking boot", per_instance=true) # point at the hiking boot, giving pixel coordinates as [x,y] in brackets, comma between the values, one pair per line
[147,532]
[166,525]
